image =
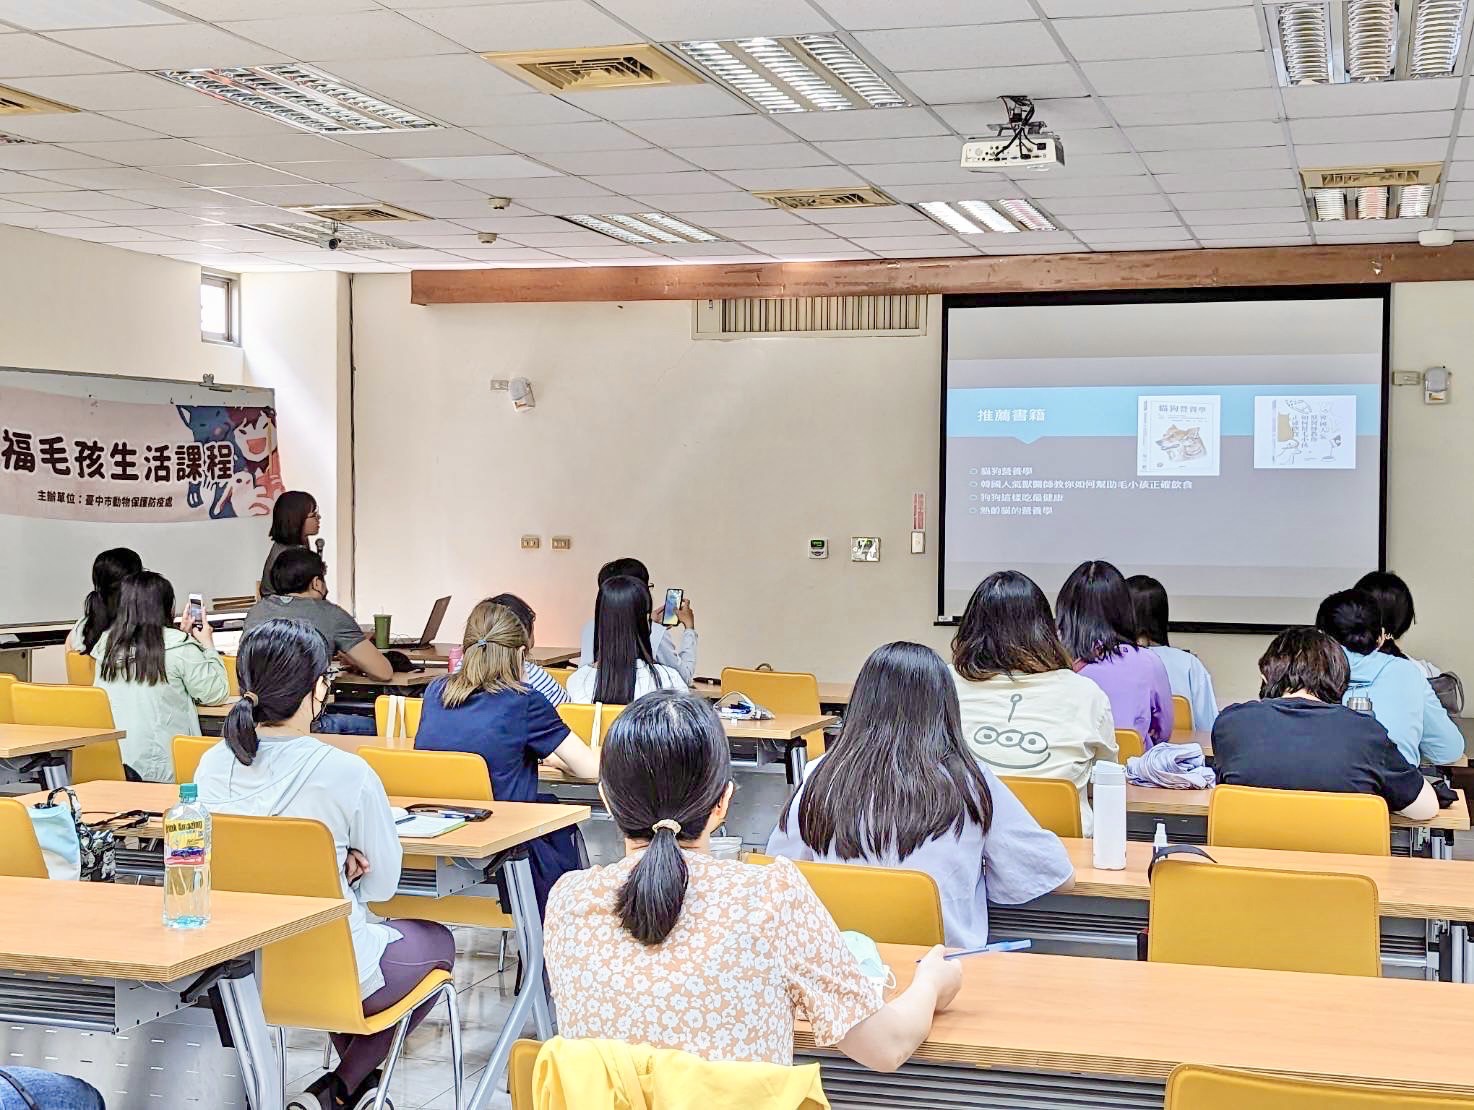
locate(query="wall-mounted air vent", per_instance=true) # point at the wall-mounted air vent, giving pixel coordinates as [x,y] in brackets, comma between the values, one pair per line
[806,199]
[359,213]
[13,102]
[590,69]
[322,234]
[830,317]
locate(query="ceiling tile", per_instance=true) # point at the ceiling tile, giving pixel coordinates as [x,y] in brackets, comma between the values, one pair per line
[559,138]
[569,236]
[517,226]
[865,15]
[669,102]
[1094,220]
[34,56]
[1385,153]
[75,127]
[1065,206]
[1161,34]
[154,152]
[1066,114]
[1205,136]
[673,20]
[488,165]
[1229,179]
[1223,106]
[564,206]
[79,201]
[212,119]
[361,169]
[978,187]
[709,131]
[177,46]
[1134,234]
[962,86]
[935,252]
[108,177]
[1096,140]
[117,235]
[1276,241]
[819,177]
[836,219]
[889,123]
[409,191]
[356,35]
[460,89]
[925,173]
[766,217]
[1284,213]
[905,242]
[283,148]
[1240,198]
[1045,186]
[1072,9]
[231,175]
[861,152]
[1174,75]
[764,156]
[541,25]
[42,156]
[109,91]
[56,15]
[423,144]
[46,220]
[633,184]
[1247,231]
[1180,244]
[702,202]
[592,163]
[1371,97]
[807,232]
[290,196]
[998,44]
[603,254]
[1360,128]
[558,185]
[1207,161]
[166,217]
[1084,165]
[218,10]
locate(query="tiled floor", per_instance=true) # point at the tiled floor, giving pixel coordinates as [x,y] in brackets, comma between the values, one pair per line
[422,1081]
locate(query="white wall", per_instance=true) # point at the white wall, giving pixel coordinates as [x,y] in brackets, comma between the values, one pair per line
[716,462]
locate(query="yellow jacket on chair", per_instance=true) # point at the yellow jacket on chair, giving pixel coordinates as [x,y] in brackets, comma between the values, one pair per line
[612,1075]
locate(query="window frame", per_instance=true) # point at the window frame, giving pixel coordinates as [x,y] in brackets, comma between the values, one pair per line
[230,283]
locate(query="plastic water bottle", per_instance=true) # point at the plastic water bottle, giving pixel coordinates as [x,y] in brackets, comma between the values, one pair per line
[1159,838]
[187,861]
[1108,798]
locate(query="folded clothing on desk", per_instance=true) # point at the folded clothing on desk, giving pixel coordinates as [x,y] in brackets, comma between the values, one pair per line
[1174,766]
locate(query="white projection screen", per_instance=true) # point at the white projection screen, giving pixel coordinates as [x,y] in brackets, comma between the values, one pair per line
[1231,443]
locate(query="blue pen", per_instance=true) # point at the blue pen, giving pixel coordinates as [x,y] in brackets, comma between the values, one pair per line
[996,946]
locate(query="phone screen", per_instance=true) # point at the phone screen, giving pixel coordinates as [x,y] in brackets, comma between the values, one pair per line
[673,599]
[196,610]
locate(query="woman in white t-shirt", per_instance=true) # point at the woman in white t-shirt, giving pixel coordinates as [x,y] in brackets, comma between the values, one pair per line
[624,666]
[1024,709]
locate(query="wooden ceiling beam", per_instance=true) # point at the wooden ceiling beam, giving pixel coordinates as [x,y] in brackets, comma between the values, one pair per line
[1372,264]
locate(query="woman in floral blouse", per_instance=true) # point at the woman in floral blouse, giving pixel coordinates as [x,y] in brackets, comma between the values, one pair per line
[672,948]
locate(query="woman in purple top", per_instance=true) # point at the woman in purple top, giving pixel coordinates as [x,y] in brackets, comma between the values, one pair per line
[1098,625]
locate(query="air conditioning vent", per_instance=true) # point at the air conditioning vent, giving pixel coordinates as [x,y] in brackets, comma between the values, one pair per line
[359,213]
[590,69]
[13,102]
[808,199]
[318,233]
[747,317]
[1367,177]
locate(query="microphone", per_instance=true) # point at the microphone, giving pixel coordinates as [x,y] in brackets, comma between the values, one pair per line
[321,543]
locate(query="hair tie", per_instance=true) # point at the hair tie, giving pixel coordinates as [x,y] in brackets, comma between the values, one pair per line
[667,823]
[483,642]
[251,696]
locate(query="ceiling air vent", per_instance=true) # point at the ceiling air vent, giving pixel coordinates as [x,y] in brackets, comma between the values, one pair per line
[321,233]
[589,69]
[359,213]
[1367,193]
[804,200]
[832,317]
[13,102]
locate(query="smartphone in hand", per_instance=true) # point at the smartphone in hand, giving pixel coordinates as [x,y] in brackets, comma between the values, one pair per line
[673,600]
[194,612]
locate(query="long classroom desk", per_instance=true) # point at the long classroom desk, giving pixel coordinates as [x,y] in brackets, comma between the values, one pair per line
[832,695]
[463,858]
[1034,1030]
[97,957]
[1425,905]
[24,741]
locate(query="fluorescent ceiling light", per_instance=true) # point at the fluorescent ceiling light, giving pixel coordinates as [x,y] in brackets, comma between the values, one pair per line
[1438,27]
[645,228]
[300,96]
[1414,201]
[981,217]
[1371,202]
[1026,215]
[1304,44]
[1371,39]
[1335,41]
[804,73]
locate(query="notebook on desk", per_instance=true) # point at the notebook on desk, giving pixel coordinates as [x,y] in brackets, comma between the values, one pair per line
[423,826]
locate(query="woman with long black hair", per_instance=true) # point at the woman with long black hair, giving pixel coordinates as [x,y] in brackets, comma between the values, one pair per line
[268,765]
[101,606]
[156,673]
[294,521]
[624,666]
[672,948]
[900,788]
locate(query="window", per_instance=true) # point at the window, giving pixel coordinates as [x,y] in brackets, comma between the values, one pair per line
[219,308]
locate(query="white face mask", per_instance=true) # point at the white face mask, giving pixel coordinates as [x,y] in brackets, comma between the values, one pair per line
[867,955]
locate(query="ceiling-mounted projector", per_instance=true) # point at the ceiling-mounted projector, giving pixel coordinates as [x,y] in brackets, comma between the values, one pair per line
[1022,142]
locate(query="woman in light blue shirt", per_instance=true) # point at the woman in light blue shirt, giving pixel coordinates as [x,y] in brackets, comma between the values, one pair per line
[1185,671]
[900,788]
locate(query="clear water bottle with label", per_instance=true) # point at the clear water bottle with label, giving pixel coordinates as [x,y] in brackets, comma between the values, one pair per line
[187,861]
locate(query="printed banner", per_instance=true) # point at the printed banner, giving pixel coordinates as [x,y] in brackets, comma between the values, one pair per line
[78,458]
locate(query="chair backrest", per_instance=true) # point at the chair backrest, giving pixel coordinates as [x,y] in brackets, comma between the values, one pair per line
[888,904]
[20,854]
[7,705]
[188,751]
[81,669]
[1182,714]
[38,703]
[1299,821]
[232,679]
[1128,743]
[404,771]
[309,981]
[561,675]
[1204,913]
[1054,803]
[1194,1087]
[580,721]
[407,725]
[780,691]
[519,1074]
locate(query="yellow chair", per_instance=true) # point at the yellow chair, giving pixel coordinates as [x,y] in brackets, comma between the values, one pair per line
[406,773]
[580,721]
[232,680]
[409,723]
[73,707]
[1298,821]
[7,706]
[81,669]
[1205,913]
[561,675]
[188,751]
[311,980]
[1182,714]
[20,854]
[519,1074]
[780,691]
[888,904]
[1195,1087]
[1128,743]
[1054,803]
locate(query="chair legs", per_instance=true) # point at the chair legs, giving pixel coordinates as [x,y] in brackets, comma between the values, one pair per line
[396,1049]
[400,1031]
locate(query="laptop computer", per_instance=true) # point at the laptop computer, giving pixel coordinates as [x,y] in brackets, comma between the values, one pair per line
[425,638]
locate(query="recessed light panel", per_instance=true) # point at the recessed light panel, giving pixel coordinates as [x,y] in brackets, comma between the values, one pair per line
[1319,42]
[645,228]
[803,73]
[300,96]
[982,217]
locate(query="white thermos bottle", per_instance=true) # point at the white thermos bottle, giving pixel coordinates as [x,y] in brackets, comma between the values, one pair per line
[1108,799]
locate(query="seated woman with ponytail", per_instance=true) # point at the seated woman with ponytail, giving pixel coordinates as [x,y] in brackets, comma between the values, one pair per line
[268,766]
[672,948]
[100,608]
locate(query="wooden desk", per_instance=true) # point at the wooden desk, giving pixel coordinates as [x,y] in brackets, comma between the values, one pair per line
[1092,1033]
[789,729]
[22,741]
[401,682]
[216,712]
[1204,740]
[832,695]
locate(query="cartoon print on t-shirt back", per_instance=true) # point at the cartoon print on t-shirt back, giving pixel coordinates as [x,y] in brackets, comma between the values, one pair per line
[1010,748]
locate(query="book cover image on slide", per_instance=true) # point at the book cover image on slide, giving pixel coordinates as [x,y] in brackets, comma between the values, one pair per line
[1177,435]
[1305,433]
